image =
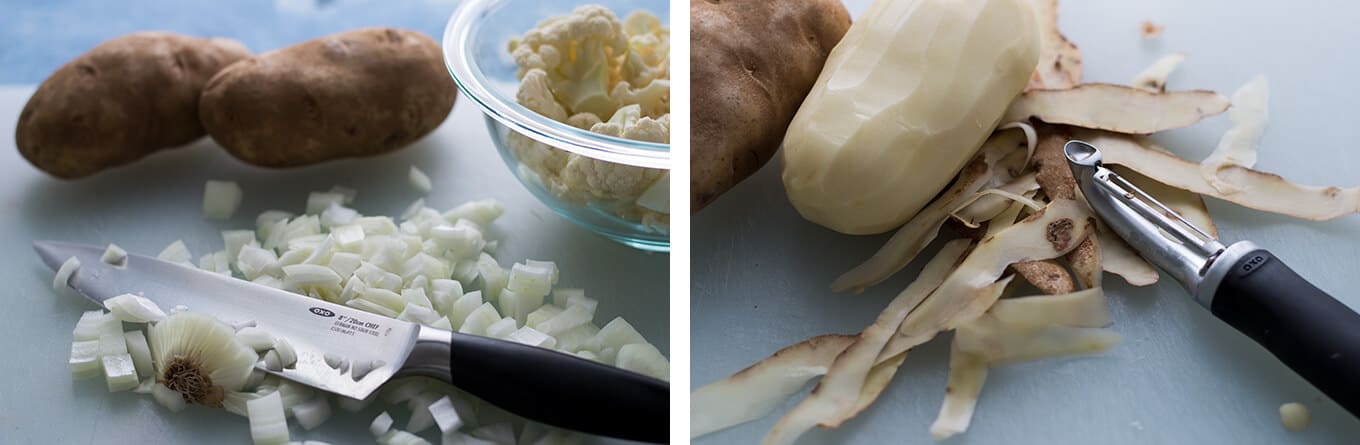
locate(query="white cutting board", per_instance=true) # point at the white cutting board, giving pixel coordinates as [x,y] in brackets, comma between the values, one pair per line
[761,273]
[144,206]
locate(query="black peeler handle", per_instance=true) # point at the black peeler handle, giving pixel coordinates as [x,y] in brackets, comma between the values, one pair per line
[1311,332]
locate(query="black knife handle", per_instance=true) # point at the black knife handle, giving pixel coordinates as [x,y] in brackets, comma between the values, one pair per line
[547,386]
[1307,329]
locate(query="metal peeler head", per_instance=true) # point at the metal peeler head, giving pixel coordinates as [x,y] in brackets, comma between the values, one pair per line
[1160,234]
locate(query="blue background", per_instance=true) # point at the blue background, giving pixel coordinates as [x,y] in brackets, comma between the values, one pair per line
[37,36]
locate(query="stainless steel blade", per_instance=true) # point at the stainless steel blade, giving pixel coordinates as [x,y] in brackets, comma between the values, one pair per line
[313,327]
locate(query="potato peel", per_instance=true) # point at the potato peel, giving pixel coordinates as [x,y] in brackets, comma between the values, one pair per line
[1261,191]
[757,390]
[1059,60]
[1047,275]
[967,373]
[917,233]
[1117,108]
[1153,78]
[837,396]
[1120,259]
[1238,145]
[987,204]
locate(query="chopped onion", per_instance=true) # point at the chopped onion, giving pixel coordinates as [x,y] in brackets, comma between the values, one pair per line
[532,337]
[496,432]
[385,298]
[176,252]
[84,360]
[310,275]
[530,280]
[168,398]
[320,201]
[381,424]
[417,297]
[643,359]
[256,338]
[338,215]
[614,335]
[501,328]
[220,199]
[272,362]
[481,212]
[111,340]
[579,338]
[145,386]
[63,277]
[200,349]
[419,180]
[493,276]
[445,415]
[542,314]
[421,417]
[89,325]
[254,262]
[479,320]
[313,413]
[442,323]
[216,262]
[573,316]
[348,236]
[134,309]
[371,307]
[517,306]
[114,255]
[418,314]
[119,372]
[463,307]
[268,424]
[140,352]
[399,437]
[287,355]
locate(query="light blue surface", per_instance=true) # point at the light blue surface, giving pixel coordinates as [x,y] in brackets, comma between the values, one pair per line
[761,273]
[37,36]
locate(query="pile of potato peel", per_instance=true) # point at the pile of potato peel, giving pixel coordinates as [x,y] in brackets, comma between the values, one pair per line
[1020,215]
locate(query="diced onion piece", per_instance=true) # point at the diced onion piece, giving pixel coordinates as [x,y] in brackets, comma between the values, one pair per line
[580,338]
[140,352]
[220,199]
[310,275]
[532,337]
[268,424]
[320,201]
[176,252]
[381,424]
[312,413]
[89,325]
[419,180]
[463,307]
[574,316]
[417,297]
[338,215]
[421,418]
[216,262]
[445,415]
[234,240]
[501,328]
[169,398]
[385,298]
[256,378]
[463,240]
[481,212]
[399,437]
[348,236]
[561,297]
[287,355]
[479,320]
[757,390]
[1295,416]
[371,307]
[644,359]
[442,323]
[256,338]
[63,278]
[134,309]
[614,335]
[529,280]
[418,314]
[542,314]
[403,390]
[272,361]
[111,340]
[254,262]
[413,209]
[493,276]
[114,255]
[517,306]
[84,359]
[496,432]
[119,372]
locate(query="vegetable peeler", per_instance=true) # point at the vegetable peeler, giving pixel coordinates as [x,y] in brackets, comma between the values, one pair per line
[1242,284]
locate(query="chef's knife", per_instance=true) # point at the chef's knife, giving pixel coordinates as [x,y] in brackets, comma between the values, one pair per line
[1242,284]
[542,385]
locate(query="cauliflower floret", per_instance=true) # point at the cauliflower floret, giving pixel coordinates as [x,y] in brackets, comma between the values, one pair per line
[650,44]
[535,94]
[655,98]
[621,120]
[581,52]
[603,180]
[649,130]
[584,121]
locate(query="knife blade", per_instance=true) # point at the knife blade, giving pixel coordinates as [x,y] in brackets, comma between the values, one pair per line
[314,327]
[543,385]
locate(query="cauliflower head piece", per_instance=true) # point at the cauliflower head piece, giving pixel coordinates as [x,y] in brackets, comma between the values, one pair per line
[580,52]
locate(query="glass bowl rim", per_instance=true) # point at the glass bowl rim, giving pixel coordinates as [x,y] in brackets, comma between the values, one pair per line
[471,81]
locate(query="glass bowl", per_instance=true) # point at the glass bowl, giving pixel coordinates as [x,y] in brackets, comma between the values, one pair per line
[476,51]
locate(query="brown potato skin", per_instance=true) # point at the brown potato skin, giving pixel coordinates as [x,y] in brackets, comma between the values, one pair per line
[357,93]
[125,99]
[751,62]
